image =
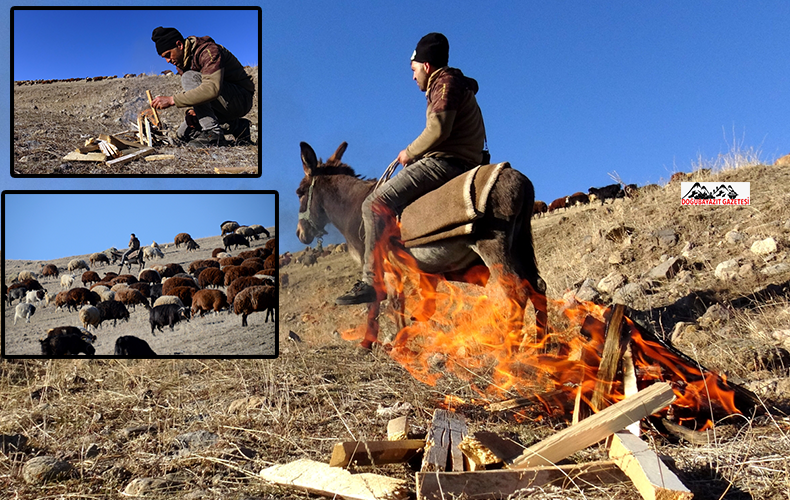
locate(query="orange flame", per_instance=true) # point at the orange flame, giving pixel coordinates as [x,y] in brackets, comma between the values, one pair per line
[485,338]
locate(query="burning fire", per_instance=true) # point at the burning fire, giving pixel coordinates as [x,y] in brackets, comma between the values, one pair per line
[470,335]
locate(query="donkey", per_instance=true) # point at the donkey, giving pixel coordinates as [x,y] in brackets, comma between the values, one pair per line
[135,257]
[332,193]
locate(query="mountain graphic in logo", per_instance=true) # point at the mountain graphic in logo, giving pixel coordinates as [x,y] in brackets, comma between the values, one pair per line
[700,192]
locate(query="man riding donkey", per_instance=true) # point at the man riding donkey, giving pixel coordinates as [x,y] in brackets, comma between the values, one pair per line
[451,144]
[217,89]
[134,244]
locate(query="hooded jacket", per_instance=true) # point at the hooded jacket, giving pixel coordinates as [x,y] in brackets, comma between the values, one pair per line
[217,66]
[454,123]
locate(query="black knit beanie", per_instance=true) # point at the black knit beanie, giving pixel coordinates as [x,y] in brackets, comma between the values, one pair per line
[166,38]
[432,48]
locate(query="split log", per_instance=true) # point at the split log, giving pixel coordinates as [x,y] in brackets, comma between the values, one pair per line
[140,129]
[616,341]
[160,157]
[77,156]
[503,483]
[321,479]
[131,156]
[149,138]
[650,475]
[487,448]
[375,452]
[441,447]
[115,141]
[235,170]
[398,428]
[151,102]
[597,427]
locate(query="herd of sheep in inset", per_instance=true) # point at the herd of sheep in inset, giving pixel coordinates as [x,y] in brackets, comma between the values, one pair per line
[168,292]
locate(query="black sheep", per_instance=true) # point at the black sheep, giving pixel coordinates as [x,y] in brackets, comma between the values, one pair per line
[167,314]
[114,310]
[67,341]
[131,346]
[234,239]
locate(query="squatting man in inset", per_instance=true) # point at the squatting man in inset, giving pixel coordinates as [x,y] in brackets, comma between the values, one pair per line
[217,89]
[451,144]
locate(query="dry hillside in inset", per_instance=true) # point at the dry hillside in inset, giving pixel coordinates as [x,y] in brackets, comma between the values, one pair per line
[323,389]
[50,120]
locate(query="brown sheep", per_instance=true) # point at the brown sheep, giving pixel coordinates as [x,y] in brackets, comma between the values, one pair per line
[177,281]
[208,300]
[255,298]
[241,283]
[271,244]
[184,293]
[247,254]
[78,297]
[270,262]
[50,270]
[233,272]
[60,299]
[90,277]
[202,263]
[181,238]
[211,276]
[131,297]
[230,261]
[124,278]
[539,208]
[254,262]
[216,251]
[142,287]
[149,276]
[171,270]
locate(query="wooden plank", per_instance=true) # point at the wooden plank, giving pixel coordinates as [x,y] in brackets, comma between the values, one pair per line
[235,170]
[441,448]
[485,448]
[629,384]
[131,156]
[597,427]
[149,138]
[616,340]
[398,428]
[503,483]
[88,148]
[647,471]
[140,129]
[115,141]
[151,103]
[160,157]
[321,479]
[375,452]
[77,156]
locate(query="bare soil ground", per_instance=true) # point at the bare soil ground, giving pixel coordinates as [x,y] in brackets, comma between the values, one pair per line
[50,120]
[323,389]
[210,335]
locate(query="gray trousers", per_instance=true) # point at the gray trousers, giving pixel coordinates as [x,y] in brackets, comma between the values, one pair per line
[233,102]
[393,196]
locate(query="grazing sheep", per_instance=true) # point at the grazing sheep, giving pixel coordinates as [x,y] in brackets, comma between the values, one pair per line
[113,254]
[167,314]
[228,227]
[240,284]
[97,257]
[77,297]
[144,288]
[609,192]
[216,252]
[90,277]
[211,276]
[30,284]
[112,310]
[90,316]
[235,240]
[66,281]
[558,204]
[233,272]
[255,298]
[247,232]
[230,261]
[270,262]
[26,275]
[578,198]
[124,278]
[60,299]
[254,262]
[181,238]
[50,270]
[168,299]
[539,208]
[67,341]
[208,300]
[248,254]
[149,276]
[153,253]
[171,270]
[19,292]
[285,259]
[192,246]
[24,310]
[258,229]
[131,297]
[184,293]
[109,276]
[177,281]
[34,296]
[131,346]
[75,264]
[271,244]
[202,263]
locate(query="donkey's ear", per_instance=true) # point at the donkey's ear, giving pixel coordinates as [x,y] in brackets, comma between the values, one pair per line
[334,160]
[309,161]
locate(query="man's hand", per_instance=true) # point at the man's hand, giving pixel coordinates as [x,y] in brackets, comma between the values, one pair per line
[404,158]
[163,101]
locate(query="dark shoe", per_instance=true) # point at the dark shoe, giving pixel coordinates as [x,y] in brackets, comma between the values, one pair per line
[204,139]
[361,293]
[240,129]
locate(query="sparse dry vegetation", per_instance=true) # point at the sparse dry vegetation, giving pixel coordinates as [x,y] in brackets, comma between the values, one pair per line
[323,389]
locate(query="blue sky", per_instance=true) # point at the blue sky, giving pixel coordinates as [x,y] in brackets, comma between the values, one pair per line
[50,226]
[571,91]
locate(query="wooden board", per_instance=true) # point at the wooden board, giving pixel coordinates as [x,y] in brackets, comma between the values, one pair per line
[375,452]
[115,141]
[485,448]
[398,428]
[650,475]
[77,156]
[160,157]
[235,170]
[597,427]
[321,479]
[131,156]
[616,341]
[441,449]
[502,483]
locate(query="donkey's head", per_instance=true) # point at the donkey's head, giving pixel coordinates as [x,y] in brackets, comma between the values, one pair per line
[312,216]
